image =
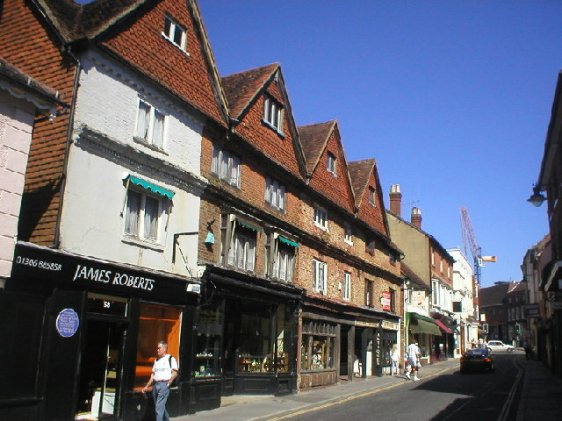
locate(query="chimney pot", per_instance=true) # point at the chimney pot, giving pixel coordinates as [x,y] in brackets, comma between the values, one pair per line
[416,217]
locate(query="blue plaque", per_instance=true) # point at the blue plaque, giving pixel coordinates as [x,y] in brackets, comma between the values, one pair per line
[67,322]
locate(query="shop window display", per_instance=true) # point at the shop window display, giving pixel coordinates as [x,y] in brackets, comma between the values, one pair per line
[209,334]
[156,323]
[317,348]
[262,349]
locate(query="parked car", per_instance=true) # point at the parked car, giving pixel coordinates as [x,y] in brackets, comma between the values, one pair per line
[498,346]
[477,359]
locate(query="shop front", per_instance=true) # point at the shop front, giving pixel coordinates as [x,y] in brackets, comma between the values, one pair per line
[254,338]
[339,342]
[94,327]
[423,329]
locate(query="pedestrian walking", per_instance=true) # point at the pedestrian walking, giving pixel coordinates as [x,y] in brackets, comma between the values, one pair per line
[413,353]
[164,372]
[394,358]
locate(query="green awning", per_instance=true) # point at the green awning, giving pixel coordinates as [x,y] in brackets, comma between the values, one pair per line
[153,188]
[423,324]
[248,225]
[287,241]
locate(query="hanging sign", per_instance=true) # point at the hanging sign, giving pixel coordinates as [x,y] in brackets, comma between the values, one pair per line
[67,323]
[386,301]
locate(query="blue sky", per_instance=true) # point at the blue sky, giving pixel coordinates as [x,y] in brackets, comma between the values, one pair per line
[452,98]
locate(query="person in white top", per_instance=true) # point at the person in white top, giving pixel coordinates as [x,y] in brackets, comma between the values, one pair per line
[164,371]
[394,357]
[413,353]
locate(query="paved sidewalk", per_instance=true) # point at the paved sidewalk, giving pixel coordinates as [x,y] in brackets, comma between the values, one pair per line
[541,393]
[261,408]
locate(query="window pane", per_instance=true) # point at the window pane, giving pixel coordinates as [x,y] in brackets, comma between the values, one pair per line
[156,323]
[167,27]
[132,212]
[158,130]
[178,34]
[151,218]
[143,120]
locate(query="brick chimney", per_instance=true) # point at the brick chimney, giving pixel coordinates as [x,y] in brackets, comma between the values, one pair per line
[395,200]
[416,217]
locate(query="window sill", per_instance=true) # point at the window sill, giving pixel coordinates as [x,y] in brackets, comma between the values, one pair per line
[148,145]
[322,227]
[275,129]
[183,51]
[131,240]
[348,242]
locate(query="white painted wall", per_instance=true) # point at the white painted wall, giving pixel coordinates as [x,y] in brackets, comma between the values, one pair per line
[92,220]
[16,123]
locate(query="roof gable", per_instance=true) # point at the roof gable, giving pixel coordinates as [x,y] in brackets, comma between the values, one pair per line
[364,175]
[319,142]
[132,30]
[246,93]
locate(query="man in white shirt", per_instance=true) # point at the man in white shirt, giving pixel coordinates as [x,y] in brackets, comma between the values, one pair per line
[164,371]
[413,353]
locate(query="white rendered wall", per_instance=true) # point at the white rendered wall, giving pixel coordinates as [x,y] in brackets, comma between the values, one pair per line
[16,122]
[93,218]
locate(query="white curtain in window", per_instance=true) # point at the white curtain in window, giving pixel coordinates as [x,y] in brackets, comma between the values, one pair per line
[143,120]
[158,130]
[151,218]
[132,212]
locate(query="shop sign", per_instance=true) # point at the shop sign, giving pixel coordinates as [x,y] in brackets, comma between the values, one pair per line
[389,325]
[385,301]
[532,310]
[91,274]
[67,323]
[361,323]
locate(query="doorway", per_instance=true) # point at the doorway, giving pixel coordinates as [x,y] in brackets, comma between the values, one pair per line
[100,366]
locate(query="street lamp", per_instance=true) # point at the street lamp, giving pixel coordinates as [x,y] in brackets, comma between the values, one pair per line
[537,198]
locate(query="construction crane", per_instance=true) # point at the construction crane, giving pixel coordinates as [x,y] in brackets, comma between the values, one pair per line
[470,239]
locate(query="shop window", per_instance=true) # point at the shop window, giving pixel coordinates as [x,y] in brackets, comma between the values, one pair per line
[156,323]
[318,346]
[209,334]
[264,341]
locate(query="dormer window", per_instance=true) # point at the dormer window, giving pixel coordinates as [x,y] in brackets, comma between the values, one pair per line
[331,163]
[175,33]
[273,114]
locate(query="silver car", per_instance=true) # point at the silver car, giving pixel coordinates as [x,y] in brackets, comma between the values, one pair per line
[498,346]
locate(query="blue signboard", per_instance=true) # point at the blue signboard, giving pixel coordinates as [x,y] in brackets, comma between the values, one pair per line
[67,322]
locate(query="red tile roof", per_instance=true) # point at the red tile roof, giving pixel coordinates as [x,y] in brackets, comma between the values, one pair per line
[360,171]
[241,88]
[313,140]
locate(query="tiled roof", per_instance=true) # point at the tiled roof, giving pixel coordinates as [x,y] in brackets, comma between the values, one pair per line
[360,171]
[242,88]
[313,140]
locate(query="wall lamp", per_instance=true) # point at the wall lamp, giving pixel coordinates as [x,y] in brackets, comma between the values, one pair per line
[537,198]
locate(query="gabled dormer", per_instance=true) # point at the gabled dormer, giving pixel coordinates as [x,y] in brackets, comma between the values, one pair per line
[260,113]
[325,163]
[368,194]
[166,41]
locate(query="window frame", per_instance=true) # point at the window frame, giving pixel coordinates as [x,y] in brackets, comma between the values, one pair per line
[321,217]
[275,194]
[348,233]
[372,196]
[319,268]
[226,166]
[346,290]
[369,299]
[273,114]
[138,233]
[331,164]
[149,137]
[173,27]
